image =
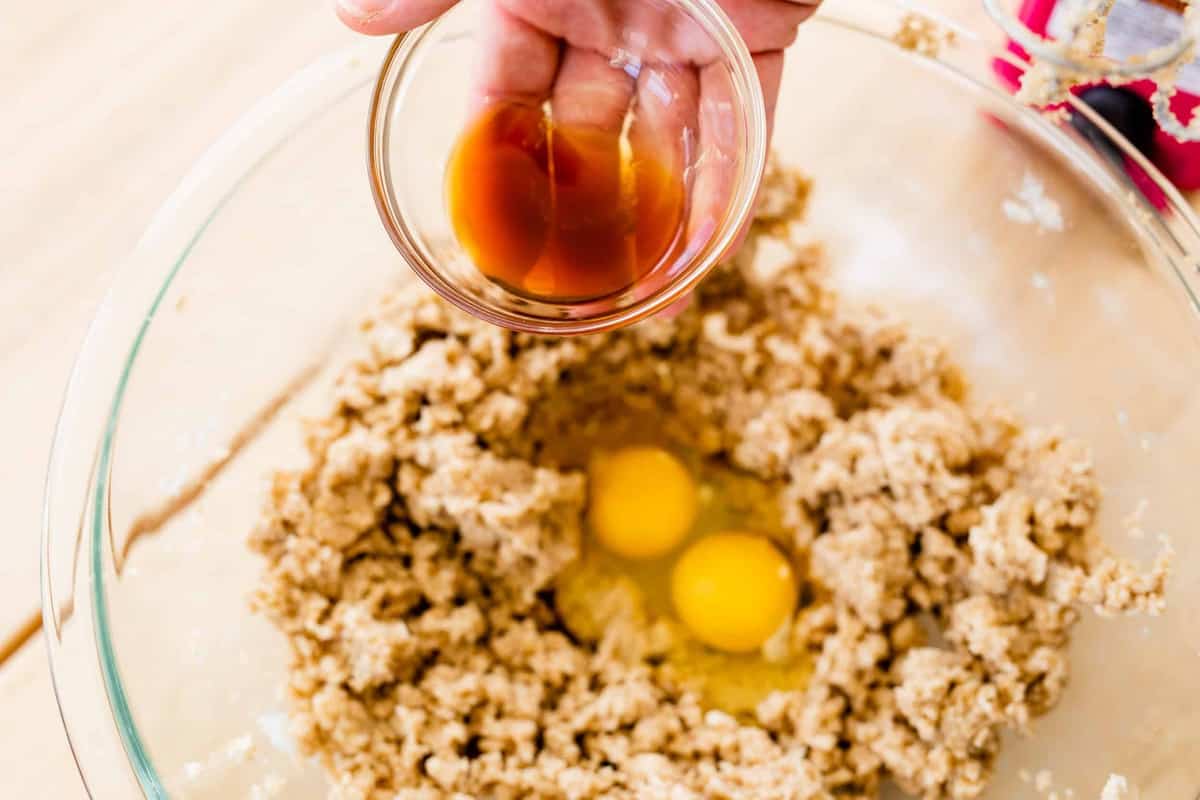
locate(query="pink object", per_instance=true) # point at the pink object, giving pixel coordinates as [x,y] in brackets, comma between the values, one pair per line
[1178,161]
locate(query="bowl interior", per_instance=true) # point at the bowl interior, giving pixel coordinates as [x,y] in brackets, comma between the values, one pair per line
[936,197]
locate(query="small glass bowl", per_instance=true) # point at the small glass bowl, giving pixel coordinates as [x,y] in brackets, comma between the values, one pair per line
[231,321]
[437,67]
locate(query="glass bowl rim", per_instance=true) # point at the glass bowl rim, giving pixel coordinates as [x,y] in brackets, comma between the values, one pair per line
[294,94]
[392,75]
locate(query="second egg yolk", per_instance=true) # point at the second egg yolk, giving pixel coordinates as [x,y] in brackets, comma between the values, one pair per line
[642,501]
[733,590]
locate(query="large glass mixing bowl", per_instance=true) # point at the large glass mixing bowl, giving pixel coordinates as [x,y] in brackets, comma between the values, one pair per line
[1059,288]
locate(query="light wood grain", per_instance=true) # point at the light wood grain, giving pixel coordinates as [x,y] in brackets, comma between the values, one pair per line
[34,761]
[107,107]
[115,106]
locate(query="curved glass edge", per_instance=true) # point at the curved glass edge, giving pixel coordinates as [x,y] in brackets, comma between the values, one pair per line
[555,319]
[1138,66]
[81,656]
[84,668]
[1170,234]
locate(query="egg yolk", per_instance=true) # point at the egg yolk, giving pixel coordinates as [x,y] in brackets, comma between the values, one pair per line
[643,501]
[733,590]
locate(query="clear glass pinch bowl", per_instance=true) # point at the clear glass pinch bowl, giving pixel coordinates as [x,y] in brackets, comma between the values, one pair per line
[1059,288]
[435,80]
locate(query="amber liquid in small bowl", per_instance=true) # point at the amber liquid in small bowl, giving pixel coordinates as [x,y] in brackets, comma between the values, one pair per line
[558,212]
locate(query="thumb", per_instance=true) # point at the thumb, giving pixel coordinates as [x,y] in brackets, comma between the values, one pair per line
[381,17]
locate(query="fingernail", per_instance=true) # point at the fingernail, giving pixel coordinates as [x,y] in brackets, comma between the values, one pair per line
[363,10]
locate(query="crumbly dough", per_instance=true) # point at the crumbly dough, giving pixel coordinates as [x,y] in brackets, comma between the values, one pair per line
[1117,788]
[413,562]
[920,34]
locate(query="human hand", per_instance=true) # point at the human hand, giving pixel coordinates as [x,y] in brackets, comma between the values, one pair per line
[561,51]
[528,55]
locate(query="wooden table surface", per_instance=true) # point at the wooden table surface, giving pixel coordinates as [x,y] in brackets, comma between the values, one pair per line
[110,105]
[106,107]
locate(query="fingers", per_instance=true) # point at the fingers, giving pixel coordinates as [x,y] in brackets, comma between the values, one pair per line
[589,104]
[713,182]
[767,25]
[716,166]
[662,138]
[381,17]
[764,25]
[590,91]
[518,61]
[770,74]
[499,191]
[502,214]
[587,24]
[684,138]
[666,113]
[716,172]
